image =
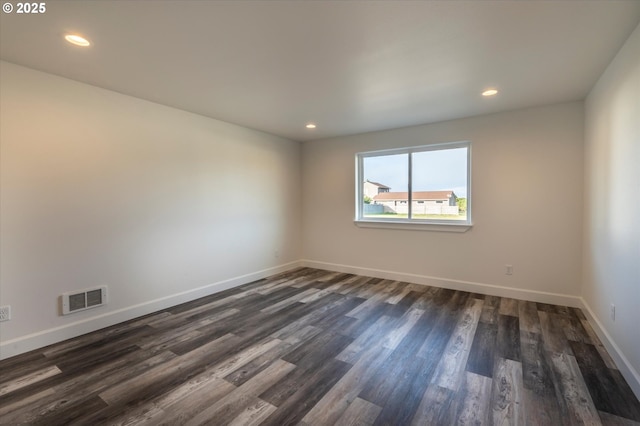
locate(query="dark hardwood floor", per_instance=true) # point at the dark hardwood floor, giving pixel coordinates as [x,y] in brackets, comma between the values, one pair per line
[313,347]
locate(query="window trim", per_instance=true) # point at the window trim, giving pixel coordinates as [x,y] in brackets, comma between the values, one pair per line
[413,224]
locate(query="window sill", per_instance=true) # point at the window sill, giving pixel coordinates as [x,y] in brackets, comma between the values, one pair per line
[414,225]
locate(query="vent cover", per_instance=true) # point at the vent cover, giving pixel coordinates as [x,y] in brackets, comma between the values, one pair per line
[82,300]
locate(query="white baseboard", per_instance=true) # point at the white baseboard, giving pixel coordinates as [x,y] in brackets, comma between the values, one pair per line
[472,287]
[630,374]
[47,337]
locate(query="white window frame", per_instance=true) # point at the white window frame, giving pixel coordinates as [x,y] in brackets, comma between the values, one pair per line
[411,224]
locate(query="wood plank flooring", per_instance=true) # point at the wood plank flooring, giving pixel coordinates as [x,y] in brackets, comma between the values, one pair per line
[312,347]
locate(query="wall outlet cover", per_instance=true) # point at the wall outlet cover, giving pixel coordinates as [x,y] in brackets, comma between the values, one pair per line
[5,313]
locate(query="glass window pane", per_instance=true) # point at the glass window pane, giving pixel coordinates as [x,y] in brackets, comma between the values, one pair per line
[385,186]
[439,184]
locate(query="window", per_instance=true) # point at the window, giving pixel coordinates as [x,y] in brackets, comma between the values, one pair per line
[425,185]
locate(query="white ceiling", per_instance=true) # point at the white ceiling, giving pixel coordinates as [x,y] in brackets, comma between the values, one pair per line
[349,66]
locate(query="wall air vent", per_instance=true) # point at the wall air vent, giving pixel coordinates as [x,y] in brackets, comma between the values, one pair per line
[81,300]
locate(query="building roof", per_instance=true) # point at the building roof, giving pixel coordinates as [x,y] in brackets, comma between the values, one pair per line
[378,184]
[417,196]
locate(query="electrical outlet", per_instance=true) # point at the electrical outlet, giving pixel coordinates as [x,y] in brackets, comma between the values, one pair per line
[276,254]
[5,313]
[508,269]
[613,312]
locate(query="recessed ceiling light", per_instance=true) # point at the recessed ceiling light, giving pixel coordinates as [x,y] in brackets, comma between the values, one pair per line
[490,92]
[77,40]
[310,126]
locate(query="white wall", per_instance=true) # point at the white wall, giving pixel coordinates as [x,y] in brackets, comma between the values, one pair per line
[612,204]
[531,159]
[98,188]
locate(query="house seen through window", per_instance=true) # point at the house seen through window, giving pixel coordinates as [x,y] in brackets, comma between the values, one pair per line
[426,184]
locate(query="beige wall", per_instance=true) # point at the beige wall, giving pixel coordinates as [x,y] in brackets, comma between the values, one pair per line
[612,203]
[519,157]
[100,188]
